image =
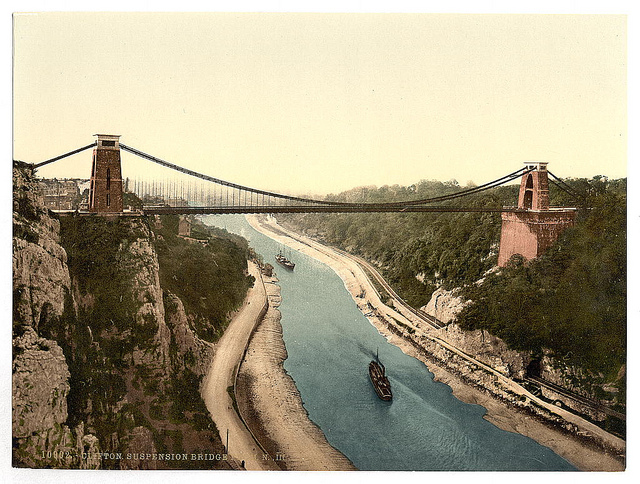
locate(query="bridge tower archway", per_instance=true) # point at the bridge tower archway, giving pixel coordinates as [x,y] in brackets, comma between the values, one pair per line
[527,199]
[105,189]
[534,187]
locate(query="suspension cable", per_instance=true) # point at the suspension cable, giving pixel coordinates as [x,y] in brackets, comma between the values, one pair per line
[38,165]
[470,191]
[563,189]
[442,198]
[486,186]
[570,190]
[218,180]
[573,195]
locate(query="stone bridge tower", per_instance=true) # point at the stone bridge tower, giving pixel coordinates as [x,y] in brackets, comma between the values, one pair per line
[105,191]
[535,226]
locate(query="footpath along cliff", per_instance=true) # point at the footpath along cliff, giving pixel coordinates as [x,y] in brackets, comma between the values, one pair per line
[111,338]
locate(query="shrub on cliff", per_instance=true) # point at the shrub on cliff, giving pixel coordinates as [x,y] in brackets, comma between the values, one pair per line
[93,245]
[417,252]
[210,279]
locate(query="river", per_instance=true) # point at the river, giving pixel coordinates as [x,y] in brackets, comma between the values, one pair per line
[330,344]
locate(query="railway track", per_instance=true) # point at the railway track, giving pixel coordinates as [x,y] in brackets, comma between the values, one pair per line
[575,396]
[427,318]
[369,270]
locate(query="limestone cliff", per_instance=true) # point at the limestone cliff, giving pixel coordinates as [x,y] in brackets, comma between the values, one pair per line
[444,305]
[39,396]
[482,345]
[105,363]
[139,259]
[40,274]
[185,343]
[488,349]
[40,375]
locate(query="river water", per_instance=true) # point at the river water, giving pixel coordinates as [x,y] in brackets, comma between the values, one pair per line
[330,344]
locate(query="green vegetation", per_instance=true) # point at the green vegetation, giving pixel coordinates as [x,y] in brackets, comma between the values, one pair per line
[209,278]
[118,378]
[185,398]
[26,212]
[131,200]
[95,247]
[100,338]
[417,252]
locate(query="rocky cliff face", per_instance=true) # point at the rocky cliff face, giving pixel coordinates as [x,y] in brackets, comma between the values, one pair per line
[40,273]
[187,346]
[488,349]
[138,260]
[444,305]
[485,347]
[39,396]
[105,363]
[40,375]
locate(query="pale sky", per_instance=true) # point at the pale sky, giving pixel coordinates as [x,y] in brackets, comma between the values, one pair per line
[322,103]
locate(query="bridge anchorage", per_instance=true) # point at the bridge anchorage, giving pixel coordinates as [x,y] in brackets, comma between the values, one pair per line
[528,229]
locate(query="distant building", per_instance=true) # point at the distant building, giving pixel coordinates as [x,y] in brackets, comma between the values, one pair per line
[176,202]
[184,227]
[64,194]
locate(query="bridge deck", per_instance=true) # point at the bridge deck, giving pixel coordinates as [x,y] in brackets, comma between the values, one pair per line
[285,209]
[315,209]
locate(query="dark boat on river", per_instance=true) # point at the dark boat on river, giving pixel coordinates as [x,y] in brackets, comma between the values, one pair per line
[379,380]
[284,262]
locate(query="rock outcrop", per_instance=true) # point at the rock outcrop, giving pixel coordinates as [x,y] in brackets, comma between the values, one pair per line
[103,358]
[40,374]
[187,345]
[487,348]
[139,260]
[40,273]
[40,384]
[139,446]
[493,351]
[444,305]
[482,345]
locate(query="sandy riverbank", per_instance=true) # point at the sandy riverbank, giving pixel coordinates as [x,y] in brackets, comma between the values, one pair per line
[270,403]
[580,452]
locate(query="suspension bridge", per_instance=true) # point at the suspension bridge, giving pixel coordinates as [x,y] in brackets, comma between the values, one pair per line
[198,193]
[528,229]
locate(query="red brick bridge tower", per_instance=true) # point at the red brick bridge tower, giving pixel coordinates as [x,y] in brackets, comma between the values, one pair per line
[105,191]
[535,226]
